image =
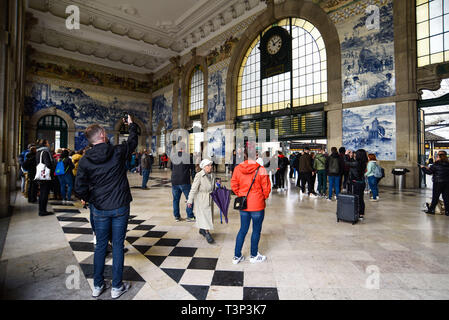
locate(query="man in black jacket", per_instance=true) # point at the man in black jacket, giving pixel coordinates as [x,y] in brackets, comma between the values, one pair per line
[44,185]
[440,172]
[181,183]
[101,180]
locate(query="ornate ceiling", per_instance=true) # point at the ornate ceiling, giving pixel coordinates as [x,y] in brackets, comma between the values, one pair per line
[134,35]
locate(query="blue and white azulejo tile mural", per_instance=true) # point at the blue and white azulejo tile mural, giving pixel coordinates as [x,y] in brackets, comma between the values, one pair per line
[372,128]
[85,107]
[367,49]
[216,142]
[162,110]
[216,100]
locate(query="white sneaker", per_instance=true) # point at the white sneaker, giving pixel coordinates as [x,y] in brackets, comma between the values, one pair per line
[97,291]
[313,196]
[258,258]
[236,260]
[279,189]
[115,293]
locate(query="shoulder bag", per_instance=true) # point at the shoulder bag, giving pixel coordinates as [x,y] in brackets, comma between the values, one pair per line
[240,203]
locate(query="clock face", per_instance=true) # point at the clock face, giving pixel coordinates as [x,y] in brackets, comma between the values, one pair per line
[274,44]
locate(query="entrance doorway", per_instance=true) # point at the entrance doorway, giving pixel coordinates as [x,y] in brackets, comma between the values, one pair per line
[124,132]
[433,127]
[54,129]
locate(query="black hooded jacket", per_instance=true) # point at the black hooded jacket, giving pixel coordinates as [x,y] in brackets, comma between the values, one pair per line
[101,177]
[440,171]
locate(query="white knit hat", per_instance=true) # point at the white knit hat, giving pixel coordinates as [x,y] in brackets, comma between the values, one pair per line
[204,163]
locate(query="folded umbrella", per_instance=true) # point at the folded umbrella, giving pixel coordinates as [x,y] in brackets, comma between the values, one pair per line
[222,197]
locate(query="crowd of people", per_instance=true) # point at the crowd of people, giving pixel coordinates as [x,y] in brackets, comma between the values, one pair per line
[62,165]
[97,175]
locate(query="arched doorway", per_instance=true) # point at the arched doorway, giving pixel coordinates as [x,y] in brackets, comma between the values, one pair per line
[54,129]
[124,132]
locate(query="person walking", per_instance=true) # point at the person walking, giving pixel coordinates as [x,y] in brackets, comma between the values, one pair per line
[319,165]
[292,166]
[146,168]
[181,183]
[280,173]
[343,184]
[251,180]
[357,169]
[43,155]
[199,195]
[372,179]
[306,171]
[440,172]
[334,169]
[66,178]
[102,182]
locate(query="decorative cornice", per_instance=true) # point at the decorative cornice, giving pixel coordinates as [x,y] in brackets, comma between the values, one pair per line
[71,84]
[45,57]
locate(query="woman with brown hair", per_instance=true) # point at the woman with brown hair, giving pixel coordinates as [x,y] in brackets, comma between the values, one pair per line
[370,174]
[440,172]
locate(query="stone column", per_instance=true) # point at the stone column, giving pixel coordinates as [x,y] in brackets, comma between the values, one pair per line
[176,74]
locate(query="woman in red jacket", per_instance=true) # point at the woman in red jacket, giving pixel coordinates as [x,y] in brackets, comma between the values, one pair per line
[241,180]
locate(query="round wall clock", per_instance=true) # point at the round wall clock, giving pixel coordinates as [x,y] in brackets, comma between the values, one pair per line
[275,49]
[274,44]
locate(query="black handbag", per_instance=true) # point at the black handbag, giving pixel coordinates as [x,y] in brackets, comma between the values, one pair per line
[240,202]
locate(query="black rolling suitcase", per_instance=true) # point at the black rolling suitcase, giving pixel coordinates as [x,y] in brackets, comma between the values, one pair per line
[348,208]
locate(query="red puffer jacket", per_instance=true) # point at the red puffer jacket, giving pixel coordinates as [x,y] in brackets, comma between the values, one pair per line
[241,181]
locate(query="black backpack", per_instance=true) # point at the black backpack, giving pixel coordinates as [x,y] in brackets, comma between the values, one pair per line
[334,165]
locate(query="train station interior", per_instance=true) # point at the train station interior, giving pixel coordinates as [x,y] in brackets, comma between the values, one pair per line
[291,75]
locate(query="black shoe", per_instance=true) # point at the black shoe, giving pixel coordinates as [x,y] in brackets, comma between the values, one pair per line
[46,213]
[209,238]
[447,214]
[202,232]
[430,211]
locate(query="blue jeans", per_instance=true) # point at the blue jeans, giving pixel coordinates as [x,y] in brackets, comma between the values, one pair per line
[106,221]
[322,181]
[334,183]
[372,181]
[145,177]
[66,180]
[177,191]
[245,219]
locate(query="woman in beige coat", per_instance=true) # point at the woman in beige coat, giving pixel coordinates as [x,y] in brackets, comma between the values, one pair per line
[202,186]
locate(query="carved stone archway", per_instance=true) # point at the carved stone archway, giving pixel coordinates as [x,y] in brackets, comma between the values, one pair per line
[143,132]
[289,8]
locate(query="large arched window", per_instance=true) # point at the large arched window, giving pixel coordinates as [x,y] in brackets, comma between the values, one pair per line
[306,84]
[196,92]
[432,31]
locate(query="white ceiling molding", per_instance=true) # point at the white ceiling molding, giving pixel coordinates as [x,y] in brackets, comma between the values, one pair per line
[139,33]
[81,57]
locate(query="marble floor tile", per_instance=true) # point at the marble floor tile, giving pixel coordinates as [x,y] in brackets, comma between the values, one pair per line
[225,293]
[309,255]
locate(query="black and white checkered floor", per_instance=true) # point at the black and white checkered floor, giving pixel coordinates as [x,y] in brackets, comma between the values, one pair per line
[193,269]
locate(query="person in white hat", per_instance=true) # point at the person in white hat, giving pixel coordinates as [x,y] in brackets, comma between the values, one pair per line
[199,194]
